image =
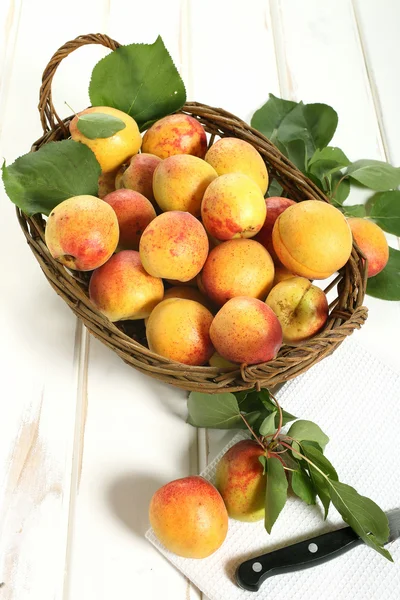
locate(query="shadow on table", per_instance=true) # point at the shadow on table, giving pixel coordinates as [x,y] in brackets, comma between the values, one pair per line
[129,498]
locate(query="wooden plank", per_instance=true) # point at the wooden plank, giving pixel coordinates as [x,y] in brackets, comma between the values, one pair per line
[134,437]
[378,31]
[232,57]
[40,350]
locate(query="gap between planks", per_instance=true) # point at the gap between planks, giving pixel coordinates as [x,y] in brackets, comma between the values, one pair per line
[81,363]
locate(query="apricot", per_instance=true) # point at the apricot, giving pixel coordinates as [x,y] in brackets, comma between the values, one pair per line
[179,329]
[175,134]
[372,242]
[312,239]
[106,184]
[302,309]
[189,293]
[275,206]
[241,482]
[237,268]
[134,212]
[112,151]
[174,246]
[246,330]
[121,289]
[191,283]
[180,181]
[137,175]
[82,232]
[232,155]
[233,207]
[281,273]
[221,363]
[189,517]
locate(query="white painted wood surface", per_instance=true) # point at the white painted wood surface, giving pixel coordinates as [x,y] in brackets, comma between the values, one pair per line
[85,440]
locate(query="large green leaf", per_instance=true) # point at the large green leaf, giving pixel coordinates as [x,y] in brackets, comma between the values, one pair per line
[362,514]
[139,79]
[217,411]
[268,118]
[315,124]
[385,211]
[386,284]
[307,430]
[38,181]
[375,174]
[276,491]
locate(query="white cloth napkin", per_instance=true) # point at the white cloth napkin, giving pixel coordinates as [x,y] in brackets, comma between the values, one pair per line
[355,400]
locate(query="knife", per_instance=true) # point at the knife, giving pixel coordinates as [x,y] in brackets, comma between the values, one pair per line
[309,553]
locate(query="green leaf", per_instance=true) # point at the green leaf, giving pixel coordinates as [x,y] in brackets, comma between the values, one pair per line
[362,514]
[217,411]
[250,402]
[139,79]
[251,418]
[268,118]
[276,492]
[385,211]
[263,461]
[307,430]
[324,163]
[99,125]
[296,152]
[386,285]
[303,487]
[331,157]
[375,174]
[340,190]
[315,124]
[320,483]
[354,210]
[38,181]
[274,189]
[268,425]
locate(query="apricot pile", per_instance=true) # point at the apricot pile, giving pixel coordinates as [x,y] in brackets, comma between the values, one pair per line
[183,237]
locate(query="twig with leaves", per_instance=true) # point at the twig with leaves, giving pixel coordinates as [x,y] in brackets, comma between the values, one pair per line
[295,458]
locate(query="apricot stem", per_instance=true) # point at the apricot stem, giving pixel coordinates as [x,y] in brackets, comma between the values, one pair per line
[280,416]
[252,431]
[70,108]
[337,186]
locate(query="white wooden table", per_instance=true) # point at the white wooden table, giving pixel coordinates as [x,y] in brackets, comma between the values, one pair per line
[84,439]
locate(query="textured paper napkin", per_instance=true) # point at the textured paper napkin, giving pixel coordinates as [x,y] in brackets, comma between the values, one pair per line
[355,400]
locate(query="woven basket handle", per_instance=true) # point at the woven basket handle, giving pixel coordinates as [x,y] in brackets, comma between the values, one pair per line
[48,115]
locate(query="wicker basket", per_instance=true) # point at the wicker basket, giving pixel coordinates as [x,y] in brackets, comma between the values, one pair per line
[127,338]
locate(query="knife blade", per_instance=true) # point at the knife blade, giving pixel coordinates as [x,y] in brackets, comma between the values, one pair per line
[309,553]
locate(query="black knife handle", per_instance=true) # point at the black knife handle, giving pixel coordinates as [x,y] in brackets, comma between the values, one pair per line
[251,574]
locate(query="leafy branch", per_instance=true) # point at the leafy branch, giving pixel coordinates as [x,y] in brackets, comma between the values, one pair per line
[302,132]
[293,460]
